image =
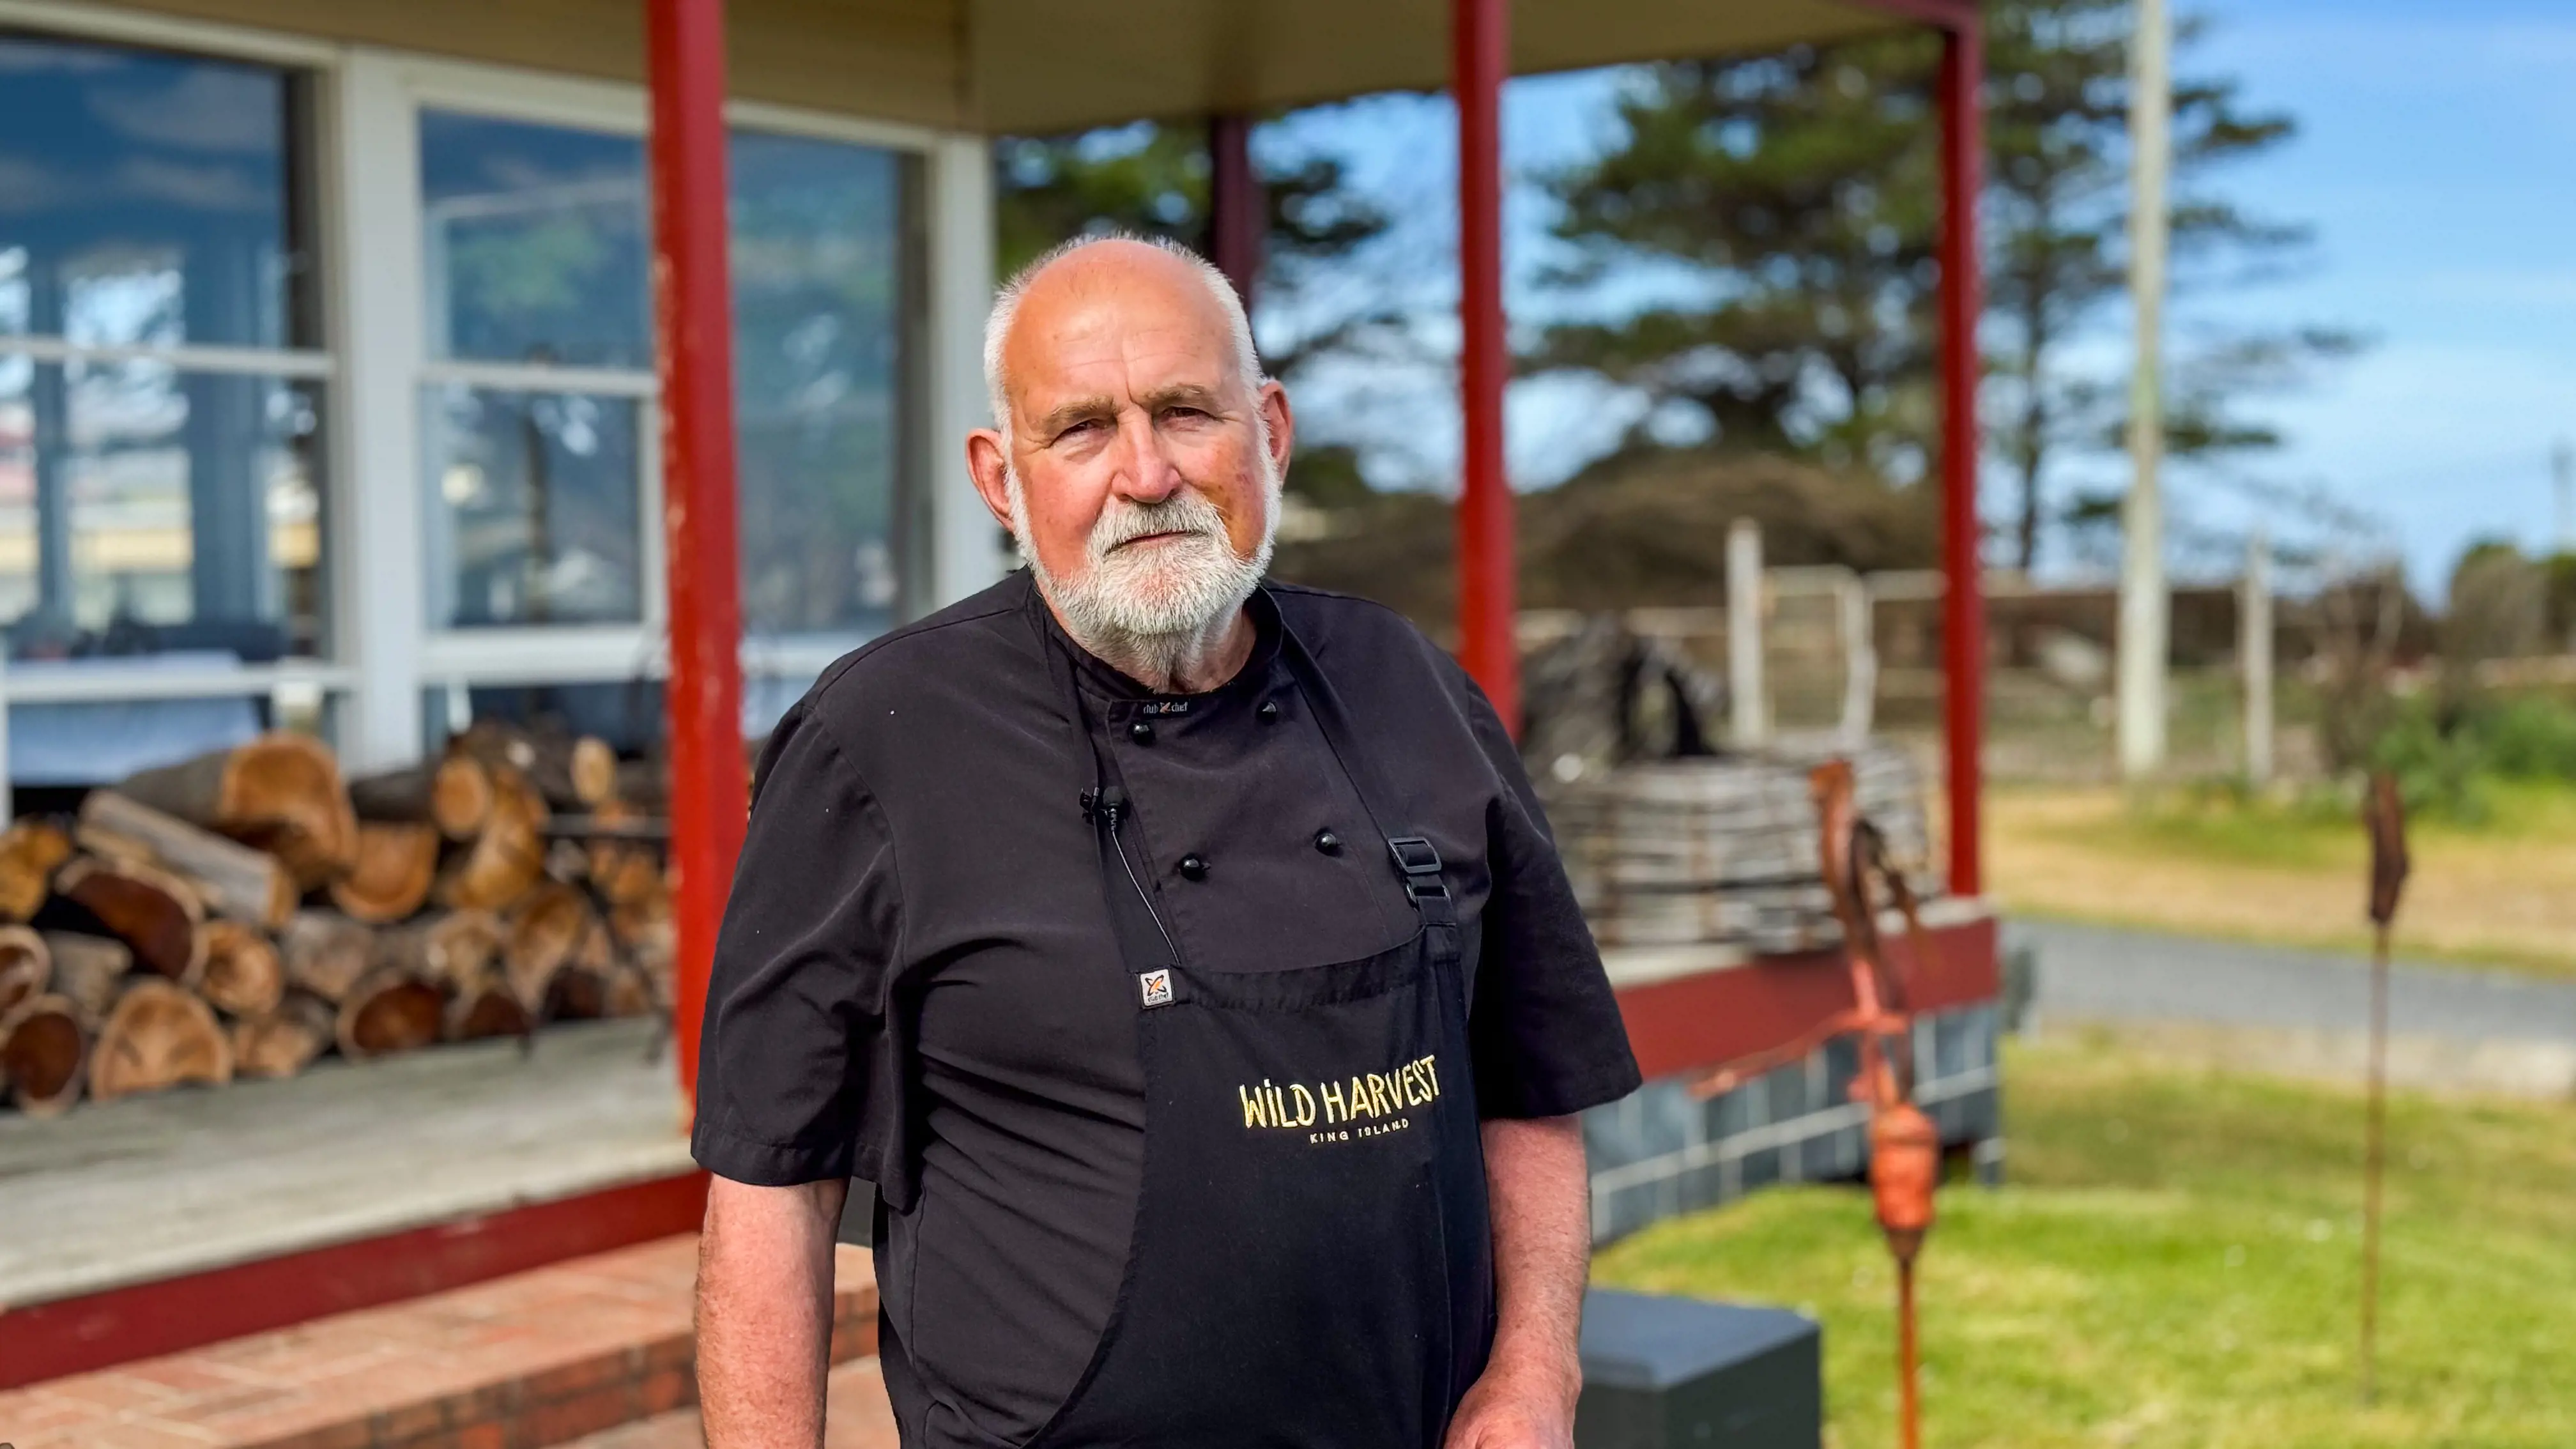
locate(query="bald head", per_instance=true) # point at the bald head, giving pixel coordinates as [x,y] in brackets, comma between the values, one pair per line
[1111,271]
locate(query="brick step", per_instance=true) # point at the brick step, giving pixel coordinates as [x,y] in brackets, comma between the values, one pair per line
[535,1359]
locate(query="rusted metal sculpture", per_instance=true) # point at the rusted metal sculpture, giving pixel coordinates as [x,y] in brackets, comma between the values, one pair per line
[1905,1148]
[2384,815]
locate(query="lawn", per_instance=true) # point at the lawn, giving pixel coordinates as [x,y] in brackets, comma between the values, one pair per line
[2176,1262]
[2502,893]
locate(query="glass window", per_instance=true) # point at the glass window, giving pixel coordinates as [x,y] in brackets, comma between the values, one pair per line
[824,274]
[534,507]
[155,498]
[534,243]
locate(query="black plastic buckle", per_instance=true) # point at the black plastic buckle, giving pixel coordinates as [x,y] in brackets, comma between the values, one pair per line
[1420,862]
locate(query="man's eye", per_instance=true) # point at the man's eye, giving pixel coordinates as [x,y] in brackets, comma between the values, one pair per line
[1081,429]
[1183,413]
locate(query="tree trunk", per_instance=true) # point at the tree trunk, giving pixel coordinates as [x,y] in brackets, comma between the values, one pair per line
[159,1036]
[571,771]
[389,1012]
[508,857]
[26,968]
[44,1054]
[544,933]
[243,974]
[234,880]
[90,970]
[284,1041]
[392,875]
[29,852]
[151,911]
[325,953]
[453,794]
[281,792]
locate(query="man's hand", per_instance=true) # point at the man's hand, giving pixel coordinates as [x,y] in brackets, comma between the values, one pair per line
[1542,1253]
[765,1312]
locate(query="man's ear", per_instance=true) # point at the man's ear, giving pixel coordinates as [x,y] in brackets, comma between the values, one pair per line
[1282,425]
[989,466]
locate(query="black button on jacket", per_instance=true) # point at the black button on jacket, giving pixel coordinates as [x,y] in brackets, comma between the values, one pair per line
[917,982]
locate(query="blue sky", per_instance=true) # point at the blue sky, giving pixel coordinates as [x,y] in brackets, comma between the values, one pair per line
[2436,161]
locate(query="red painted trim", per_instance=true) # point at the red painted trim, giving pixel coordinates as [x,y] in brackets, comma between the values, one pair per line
[1487,565]
[1238,212]
[1963,611]
[1696,1022]
[710,795]
[76,1335]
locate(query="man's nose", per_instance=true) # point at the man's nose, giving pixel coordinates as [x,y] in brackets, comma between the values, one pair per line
[1146,474]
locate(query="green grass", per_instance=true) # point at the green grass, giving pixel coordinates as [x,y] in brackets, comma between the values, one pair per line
[2176,1263]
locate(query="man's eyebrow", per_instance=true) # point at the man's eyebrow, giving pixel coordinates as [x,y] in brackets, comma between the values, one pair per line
[1080,410]
[1183,394]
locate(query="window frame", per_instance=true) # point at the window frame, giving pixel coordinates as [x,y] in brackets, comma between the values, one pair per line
[382,655]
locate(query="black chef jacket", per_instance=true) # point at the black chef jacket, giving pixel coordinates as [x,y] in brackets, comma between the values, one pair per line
[917,983]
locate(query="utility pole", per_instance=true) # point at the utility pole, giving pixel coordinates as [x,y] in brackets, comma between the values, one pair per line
[2562,468]
[2145,607]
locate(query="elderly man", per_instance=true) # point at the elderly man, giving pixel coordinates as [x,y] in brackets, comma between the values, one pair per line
[1183,959]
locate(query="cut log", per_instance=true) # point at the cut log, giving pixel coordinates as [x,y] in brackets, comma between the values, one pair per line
[506,859]
[159,1036]
[234,879]
[544,932]
[26,968]
[90,970]
[29,852]
[389,1012]
[566,861]
[392,875]
[280,792]
[453,794]
[243,974]
[571,771]
[484,1006]
[151,911]
[644,784]
[623,870]
[44,1054]
[284,1041]
[631,992]
[325,953]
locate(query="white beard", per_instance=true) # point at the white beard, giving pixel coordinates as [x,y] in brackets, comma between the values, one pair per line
[1151,610]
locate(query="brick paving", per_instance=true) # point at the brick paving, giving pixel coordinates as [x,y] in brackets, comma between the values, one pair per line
[523,1362]
[858,1419]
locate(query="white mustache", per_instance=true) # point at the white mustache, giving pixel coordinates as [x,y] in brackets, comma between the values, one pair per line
[1184,512]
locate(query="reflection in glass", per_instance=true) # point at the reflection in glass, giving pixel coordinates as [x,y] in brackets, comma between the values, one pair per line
[533,508]
[151,199]
[821,269]
[143,508]
[533,243]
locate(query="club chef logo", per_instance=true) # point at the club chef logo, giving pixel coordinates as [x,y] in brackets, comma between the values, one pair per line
[1339,1109]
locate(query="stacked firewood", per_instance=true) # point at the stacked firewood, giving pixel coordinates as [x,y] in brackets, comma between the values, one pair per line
[245,912]
[1722,848]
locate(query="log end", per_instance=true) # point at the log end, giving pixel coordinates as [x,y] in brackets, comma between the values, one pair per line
[159,1036]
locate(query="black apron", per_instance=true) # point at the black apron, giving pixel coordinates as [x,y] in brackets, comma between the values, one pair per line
[1312,1263]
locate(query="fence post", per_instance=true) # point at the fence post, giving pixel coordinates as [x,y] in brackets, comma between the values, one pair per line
[2254,649]
[1749,711]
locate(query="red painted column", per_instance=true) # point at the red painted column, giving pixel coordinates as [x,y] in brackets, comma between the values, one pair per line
[1963,613]
[710,796]
[1238,212]
[1481,44]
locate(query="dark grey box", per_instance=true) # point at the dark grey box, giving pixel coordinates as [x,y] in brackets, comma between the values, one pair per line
[1677,1373]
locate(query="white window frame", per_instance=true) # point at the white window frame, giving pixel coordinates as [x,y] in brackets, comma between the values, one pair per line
[383,656]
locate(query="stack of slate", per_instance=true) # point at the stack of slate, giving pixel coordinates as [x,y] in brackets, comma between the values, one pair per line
[1723,848]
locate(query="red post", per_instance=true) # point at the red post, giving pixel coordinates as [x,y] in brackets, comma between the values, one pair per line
[1238,212]
[1963,613]
[1480,41]
[710,794]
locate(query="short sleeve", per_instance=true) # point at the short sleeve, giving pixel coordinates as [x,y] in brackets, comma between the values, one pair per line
[800,1076]
[1545,1027]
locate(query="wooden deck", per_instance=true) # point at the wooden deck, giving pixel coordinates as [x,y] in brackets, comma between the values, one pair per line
[155,1188]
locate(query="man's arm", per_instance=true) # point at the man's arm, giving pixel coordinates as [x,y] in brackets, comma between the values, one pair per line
[1535,1173]
[765,1312]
